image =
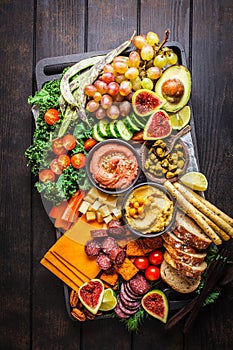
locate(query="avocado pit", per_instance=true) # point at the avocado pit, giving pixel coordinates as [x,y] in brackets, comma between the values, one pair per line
[173,90]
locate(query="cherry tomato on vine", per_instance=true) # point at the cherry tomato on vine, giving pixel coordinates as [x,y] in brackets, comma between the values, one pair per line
[63,161]
[69,141]
[78,160]
[51,116]
[89,143]
[152,273]
[141,262]
[54,166]
[156,257]
[46,175]
[57,147]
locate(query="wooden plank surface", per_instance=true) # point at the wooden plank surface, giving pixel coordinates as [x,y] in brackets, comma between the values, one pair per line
[33,310]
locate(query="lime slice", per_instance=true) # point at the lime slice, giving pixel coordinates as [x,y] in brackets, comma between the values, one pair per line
[181,118]
[195,180]
[109,300]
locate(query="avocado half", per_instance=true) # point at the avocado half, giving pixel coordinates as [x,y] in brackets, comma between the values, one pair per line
[175,86]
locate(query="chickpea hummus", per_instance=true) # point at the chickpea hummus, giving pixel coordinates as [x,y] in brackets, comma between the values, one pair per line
[114,166]
[148,209]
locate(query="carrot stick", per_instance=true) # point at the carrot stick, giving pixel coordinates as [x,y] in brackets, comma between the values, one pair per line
[204,209]
[192,212]
[71,212]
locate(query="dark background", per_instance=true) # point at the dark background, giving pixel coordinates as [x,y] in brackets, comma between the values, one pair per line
[33,314]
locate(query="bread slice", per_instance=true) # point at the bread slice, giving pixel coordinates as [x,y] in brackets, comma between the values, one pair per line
[189,232]
[178,281]
[189,258]
[184,268]
[177,243]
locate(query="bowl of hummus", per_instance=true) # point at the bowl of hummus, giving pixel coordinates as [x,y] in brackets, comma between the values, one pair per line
[148,209]
[113,166]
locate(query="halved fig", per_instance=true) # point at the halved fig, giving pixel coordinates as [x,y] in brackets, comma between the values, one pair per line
[158,126]
[156,304]
[145,102]
[91,295]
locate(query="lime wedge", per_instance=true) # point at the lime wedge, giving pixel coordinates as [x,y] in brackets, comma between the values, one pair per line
[181,118]
[195,180]
[109,300]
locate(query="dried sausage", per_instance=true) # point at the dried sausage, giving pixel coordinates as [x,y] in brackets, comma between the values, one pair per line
[108,244]
[117,255]
[92,248]
[103,261]
[139,284]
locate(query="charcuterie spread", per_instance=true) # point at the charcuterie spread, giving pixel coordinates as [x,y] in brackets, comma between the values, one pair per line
[123,197]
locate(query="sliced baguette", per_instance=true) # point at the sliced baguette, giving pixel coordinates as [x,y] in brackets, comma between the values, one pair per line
[189,258]
[178,281]
[190,233]
[184,268]
[177,243]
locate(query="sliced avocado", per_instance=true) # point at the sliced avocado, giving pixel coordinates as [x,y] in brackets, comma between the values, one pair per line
[175,86]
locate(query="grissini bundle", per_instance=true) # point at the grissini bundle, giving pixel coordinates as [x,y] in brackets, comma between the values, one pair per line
[192,212]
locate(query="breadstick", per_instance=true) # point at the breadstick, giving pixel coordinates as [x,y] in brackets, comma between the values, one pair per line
[204,209]
[192,212]
[212,207]
[218,230]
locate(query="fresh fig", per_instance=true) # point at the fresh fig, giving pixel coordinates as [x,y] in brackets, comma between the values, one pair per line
[156,304]
[91,294]
[158,126]
[145,102]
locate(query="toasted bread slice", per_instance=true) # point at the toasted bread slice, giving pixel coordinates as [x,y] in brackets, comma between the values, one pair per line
[177,280]
[189,232]
[189,258]
[177,243]
[184,268]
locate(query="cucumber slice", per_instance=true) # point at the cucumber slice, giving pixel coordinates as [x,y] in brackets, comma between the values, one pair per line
[124,133]
[137,121]
[102,128]
[112,130]
[95,133]
[130,125]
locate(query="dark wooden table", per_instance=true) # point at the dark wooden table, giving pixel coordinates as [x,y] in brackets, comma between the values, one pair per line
[33,314]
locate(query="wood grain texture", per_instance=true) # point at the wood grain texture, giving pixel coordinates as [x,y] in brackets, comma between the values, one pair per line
[15,125]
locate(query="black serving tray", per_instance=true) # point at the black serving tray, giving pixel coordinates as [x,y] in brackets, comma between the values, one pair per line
[51,68]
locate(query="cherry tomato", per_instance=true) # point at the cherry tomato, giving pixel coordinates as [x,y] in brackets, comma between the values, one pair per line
[89,143]
[69,141]
[63,161]
[57,147]
[51,116]
[156,257]
[46,175]
[141,262]
[78,160]
[152,273]
[54,166]
[138,136]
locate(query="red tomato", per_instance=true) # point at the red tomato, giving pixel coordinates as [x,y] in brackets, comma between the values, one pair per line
[51,116]
[57,147]
[89,143]
[46,175]
[63,161]
[78,160]
[156,257]
[152,273]
[54,166]
[69,141]
[141,262]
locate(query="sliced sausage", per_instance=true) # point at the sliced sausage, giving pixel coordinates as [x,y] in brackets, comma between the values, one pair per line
[117,255]
[108,244]
[92,248]
[139,284]
[103,261]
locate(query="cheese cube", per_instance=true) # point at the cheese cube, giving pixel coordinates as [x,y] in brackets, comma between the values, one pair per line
[84,207]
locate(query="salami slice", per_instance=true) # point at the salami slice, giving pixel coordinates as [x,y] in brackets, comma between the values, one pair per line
[92,248]
[120,313]
[129,304]
[117,255]
[103,261]
[130,293]
[124,309]
[139,284]
[108,244]
[101,233]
